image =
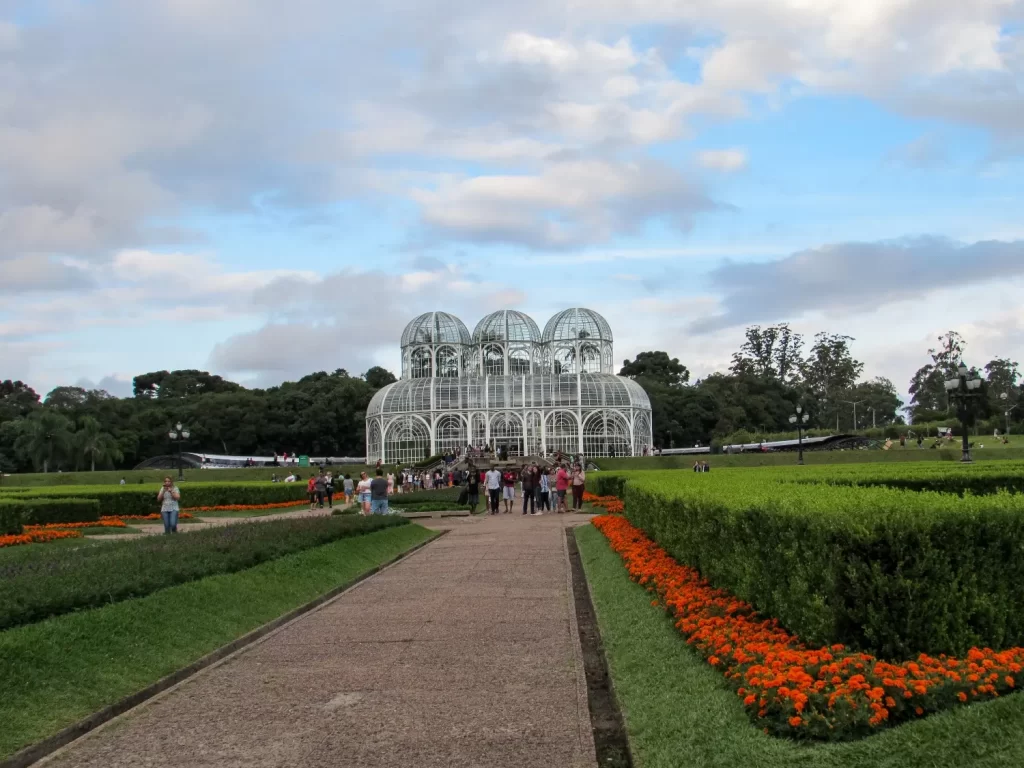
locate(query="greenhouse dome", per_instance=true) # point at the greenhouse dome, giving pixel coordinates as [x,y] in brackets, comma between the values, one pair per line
[508,386]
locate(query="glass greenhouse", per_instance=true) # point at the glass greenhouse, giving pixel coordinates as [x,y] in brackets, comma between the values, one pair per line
[508,385]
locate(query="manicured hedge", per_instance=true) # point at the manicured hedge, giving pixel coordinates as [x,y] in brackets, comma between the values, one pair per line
[10,518]
[141,500]
[893,572]
[58,581]
[33,511]
[421,497]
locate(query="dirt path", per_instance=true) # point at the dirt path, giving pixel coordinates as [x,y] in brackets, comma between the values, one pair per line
[465,654]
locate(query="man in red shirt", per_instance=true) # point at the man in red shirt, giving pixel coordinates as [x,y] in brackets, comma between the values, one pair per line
[508,489]
[561,486]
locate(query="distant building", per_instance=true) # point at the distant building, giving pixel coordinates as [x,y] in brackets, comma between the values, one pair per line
[508,385]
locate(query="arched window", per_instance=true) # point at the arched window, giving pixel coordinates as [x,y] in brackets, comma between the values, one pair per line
[562,433]
[449,434]
[533,436]
[519,362]
[507,433]
[420,366]
[642,432]
[447,362]
[606,433]
[407,439]
[494,360]
[373,442]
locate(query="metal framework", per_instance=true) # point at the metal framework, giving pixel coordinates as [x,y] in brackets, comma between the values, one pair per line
[508,386]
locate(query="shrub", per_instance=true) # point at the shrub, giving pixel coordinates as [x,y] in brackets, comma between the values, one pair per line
[888,571]
[135,500]
[54,582]
[426,506]
[35,511]
[10,518]
[419,497]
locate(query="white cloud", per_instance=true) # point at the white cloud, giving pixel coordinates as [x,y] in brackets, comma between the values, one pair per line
[726,160]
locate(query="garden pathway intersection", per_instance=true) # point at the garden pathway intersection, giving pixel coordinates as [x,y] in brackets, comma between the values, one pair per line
[466,653]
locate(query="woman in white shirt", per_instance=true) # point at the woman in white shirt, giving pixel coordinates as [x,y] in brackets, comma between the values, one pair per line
[364,492]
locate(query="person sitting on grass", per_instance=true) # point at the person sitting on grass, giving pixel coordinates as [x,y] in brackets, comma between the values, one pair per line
[169,496]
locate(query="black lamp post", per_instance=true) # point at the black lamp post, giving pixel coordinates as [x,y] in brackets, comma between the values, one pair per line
[179,436]
[964,390]
[800,419]
[1004,397]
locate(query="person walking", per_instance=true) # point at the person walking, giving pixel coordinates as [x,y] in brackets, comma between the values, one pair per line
[311,491]
[329,490]
[561,487]
[349,488]
[508,481]
[579,479]
[493,482]
[364,492]
[379,492]
[472,490]
[529,481]
[320,488]
[544,491]
[169,496]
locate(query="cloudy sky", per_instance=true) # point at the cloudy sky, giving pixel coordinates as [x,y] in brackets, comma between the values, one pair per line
[263,189]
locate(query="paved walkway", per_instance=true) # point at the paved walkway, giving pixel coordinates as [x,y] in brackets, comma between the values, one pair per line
[464,654]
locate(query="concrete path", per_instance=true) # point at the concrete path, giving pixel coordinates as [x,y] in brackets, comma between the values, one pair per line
[464,654]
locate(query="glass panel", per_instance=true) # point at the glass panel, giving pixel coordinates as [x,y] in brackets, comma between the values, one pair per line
[407,440]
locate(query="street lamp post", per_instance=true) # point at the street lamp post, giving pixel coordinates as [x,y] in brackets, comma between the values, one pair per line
[800,419]
[179,435]
[1004,397]
[854,404]
[964,390]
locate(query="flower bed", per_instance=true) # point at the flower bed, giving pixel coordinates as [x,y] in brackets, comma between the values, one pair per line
[793,690]
[37,537]
[153,516]
[610,504]
[245,507]
[108,522]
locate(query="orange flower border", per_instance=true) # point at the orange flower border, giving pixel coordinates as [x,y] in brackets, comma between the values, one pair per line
[37,537]
[787,688]
[249,507]
[611,504]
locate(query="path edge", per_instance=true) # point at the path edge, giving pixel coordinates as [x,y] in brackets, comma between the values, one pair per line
[610,737]
[36,752]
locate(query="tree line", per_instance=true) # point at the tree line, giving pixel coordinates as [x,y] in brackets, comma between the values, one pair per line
[772,372]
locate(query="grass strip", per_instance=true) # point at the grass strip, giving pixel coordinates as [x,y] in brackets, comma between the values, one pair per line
[679,712]
[55,582]
[56,672]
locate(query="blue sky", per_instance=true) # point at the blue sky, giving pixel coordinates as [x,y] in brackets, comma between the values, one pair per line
[259,191]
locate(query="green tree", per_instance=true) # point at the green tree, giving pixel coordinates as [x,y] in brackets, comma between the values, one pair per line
[45,439]
[17,399]
[657,367]
[830,371]
[378,377]
[95,444]
[928,398]
[772,352]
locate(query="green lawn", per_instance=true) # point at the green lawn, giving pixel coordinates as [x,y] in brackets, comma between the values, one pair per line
[680,713]
[56,672]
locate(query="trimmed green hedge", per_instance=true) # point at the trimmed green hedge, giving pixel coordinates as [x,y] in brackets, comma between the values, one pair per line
[43,511]
[10,518]
[57,581]
[423,497]
[893,572]
[141,500]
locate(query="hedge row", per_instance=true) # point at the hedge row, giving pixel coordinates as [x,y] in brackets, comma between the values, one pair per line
[141,500]
[892,572]
[58,581]
[18,511]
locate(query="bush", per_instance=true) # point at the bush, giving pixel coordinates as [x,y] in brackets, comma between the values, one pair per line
[10,518]
[58,581]
[893,572]
[426,506]
[33,511]
[421,497]
[135,500]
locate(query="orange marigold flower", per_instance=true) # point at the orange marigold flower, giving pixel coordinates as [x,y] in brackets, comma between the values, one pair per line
[796,721]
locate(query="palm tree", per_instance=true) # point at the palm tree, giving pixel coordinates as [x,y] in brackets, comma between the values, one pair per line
[96,444]
[46,438]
